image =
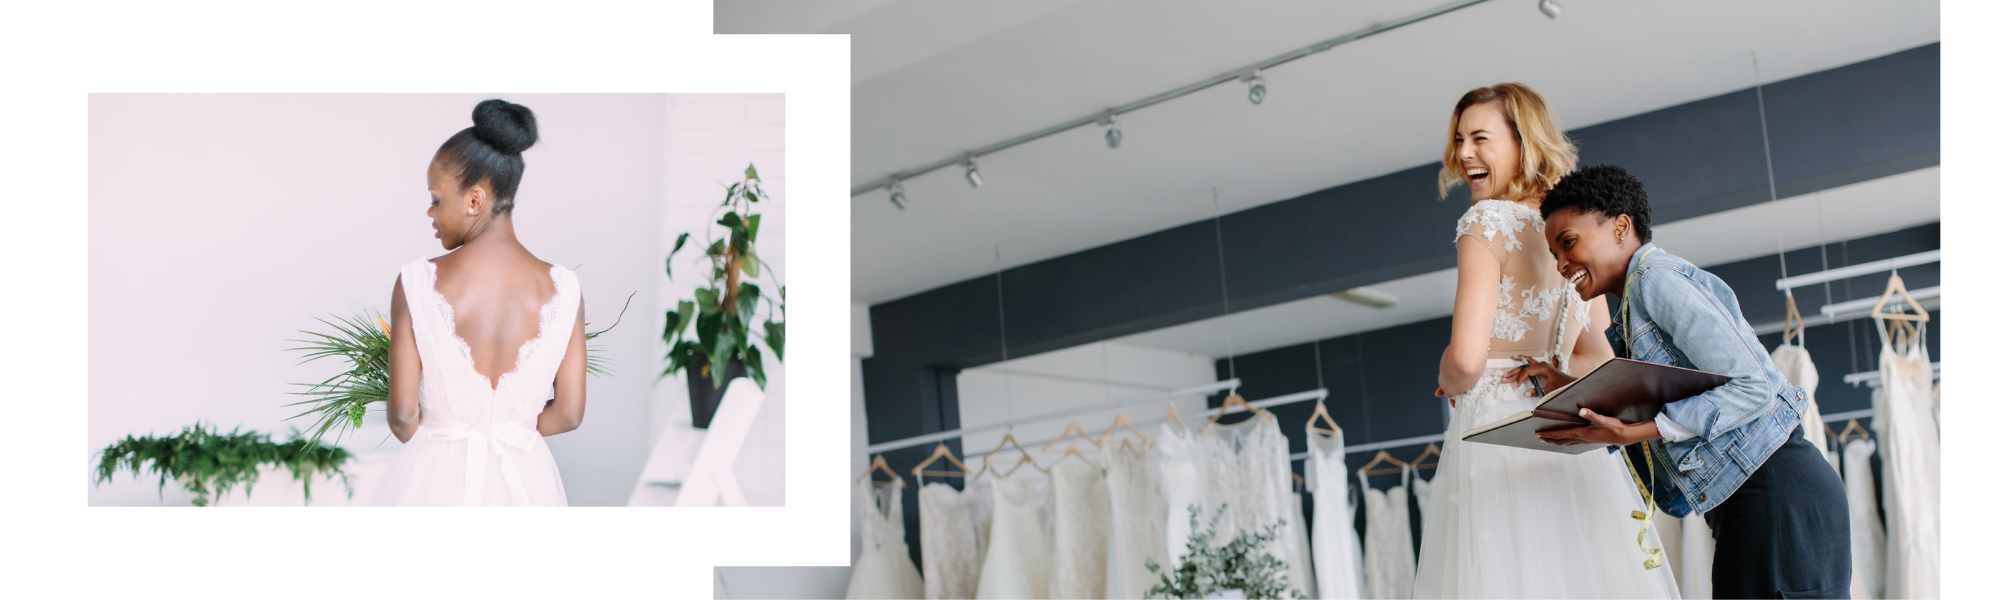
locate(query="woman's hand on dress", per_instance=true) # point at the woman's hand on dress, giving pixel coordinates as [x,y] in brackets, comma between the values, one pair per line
[1602,430]
[1551,377]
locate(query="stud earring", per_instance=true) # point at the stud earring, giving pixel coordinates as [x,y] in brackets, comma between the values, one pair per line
[474,213]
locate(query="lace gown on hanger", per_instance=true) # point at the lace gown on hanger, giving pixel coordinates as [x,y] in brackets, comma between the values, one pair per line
[1136,519]
[1490,503]
[1867,540]
[1334,552]
[1081,528]
[1907,426]
[1796,365]
[883,570]
[476,443]
[1301,563]
[1248,466]
[1389,558]
[1181,487]
[950,541]
[1017,557]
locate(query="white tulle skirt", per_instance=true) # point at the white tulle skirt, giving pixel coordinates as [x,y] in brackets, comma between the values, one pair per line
[432,470]
[1515,523]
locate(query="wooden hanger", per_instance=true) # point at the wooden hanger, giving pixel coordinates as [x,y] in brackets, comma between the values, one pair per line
[1298,479]
[1382,456]
[943,452]
[1004,442]
[1235,399]
[1792,316]
[1174,416]
[1075,428]
[1854,431]
[1896,289]
[1319,412]
[1126,443]
[880,465]
[1122,420]
[1430,450]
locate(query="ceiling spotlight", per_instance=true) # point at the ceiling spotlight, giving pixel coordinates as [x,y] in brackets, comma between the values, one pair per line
[1550,8]
[1256,81]
[896,196]
[972,171]
[1112,136]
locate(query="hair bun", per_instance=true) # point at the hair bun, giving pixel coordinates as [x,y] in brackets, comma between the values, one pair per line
[506,126]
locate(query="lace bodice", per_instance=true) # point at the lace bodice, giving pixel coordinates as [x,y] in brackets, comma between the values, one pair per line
[1532,291]
[1248,467]
[451,390]
[881,518]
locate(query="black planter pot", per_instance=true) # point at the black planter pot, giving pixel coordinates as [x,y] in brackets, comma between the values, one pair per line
[703,396]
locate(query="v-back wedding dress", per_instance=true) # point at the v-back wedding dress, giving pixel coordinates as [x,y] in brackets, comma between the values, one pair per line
[476,443]
[1507,522]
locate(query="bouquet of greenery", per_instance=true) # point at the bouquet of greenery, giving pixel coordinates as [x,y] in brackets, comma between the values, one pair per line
[1242,564]
[338,403]
[209,464]
[722,311]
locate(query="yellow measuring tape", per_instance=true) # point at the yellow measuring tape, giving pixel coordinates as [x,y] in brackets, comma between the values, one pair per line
[1645,491]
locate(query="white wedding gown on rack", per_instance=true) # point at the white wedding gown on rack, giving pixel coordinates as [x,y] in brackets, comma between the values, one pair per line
[1796,365]
[1862,521]
[476,442]
[1907,426]
[1249,468]
[1301,562]
[1181,488]
[1509,522]
[1335,554]
[950,541]
[1389,555]
[883,570]
[1081,530]
[1136,519]
[1017,557]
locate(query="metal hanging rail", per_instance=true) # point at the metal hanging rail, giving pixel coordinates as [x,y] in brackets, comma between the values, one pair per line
[1319,394]
[1088,408]
[1849,311]
[1887,264]
[1234,75]
[1874,378]
[1864,305]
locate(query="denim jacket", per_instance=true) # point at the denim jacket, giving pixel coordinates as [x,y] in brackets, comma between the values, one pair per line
[1685,317]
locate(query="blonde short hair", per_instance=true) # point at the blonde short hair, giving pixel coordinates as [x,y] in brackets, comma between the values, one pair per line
[1546,153]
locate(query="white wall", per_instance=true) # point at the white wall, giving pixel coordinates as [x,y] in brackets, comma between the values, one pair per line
[710,139]
[1070,377]
[221,225]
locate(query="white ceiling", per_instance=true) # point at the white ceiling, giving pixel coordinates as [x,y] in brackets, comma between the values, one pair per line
[936,79]
[1848,212]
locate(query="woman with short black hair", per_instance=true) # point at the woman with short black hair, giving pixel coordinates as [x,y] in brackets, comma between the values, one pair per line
[1734,454]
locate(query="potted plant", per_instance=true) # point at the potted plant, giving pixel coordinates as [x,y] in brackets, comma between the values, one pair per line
[724,309]
[1239,569]
[209,464]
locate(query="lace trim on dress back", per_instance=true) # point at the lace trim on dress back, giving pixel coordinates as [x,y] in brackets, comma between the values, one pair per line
[546,314]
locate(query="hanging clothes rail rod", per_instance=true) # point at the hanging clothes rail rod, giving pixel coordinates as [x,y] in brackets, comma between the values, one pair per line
[1866,413]
[1887,264]
[1867,304]
[1843,316]
[962,432]
[1319,394]
[1874,378]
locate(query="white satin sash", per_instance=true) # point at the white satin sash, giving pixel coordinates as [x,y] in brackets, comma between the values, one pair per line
[479,440]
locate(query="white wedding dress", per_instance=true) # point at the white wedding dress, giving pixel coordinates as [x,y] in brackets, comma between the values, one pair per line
[950,541]
[1336,556]
[1181,488]
[1136,519]
[1081,530]
[1796,365]
[1867,533]
[476,443]
[1017,558]
[1907,426]
[1508,522]
[883,570]
[1301,562]
[1249,468]
[1389,556]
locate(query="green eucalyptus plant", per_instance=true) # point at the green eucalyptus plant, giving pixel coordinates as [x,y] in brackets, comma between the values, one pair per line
[725,307]
[209,464]
[1242,564]
[338,403]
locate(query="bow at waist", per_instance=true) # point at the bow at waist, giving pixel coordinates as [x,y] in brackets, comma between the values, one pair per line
[479,440]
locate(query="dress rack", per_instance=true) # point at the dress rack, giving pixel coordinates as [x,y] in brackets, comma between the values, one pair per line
[920,440]
[1319,394]
[1867,268]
